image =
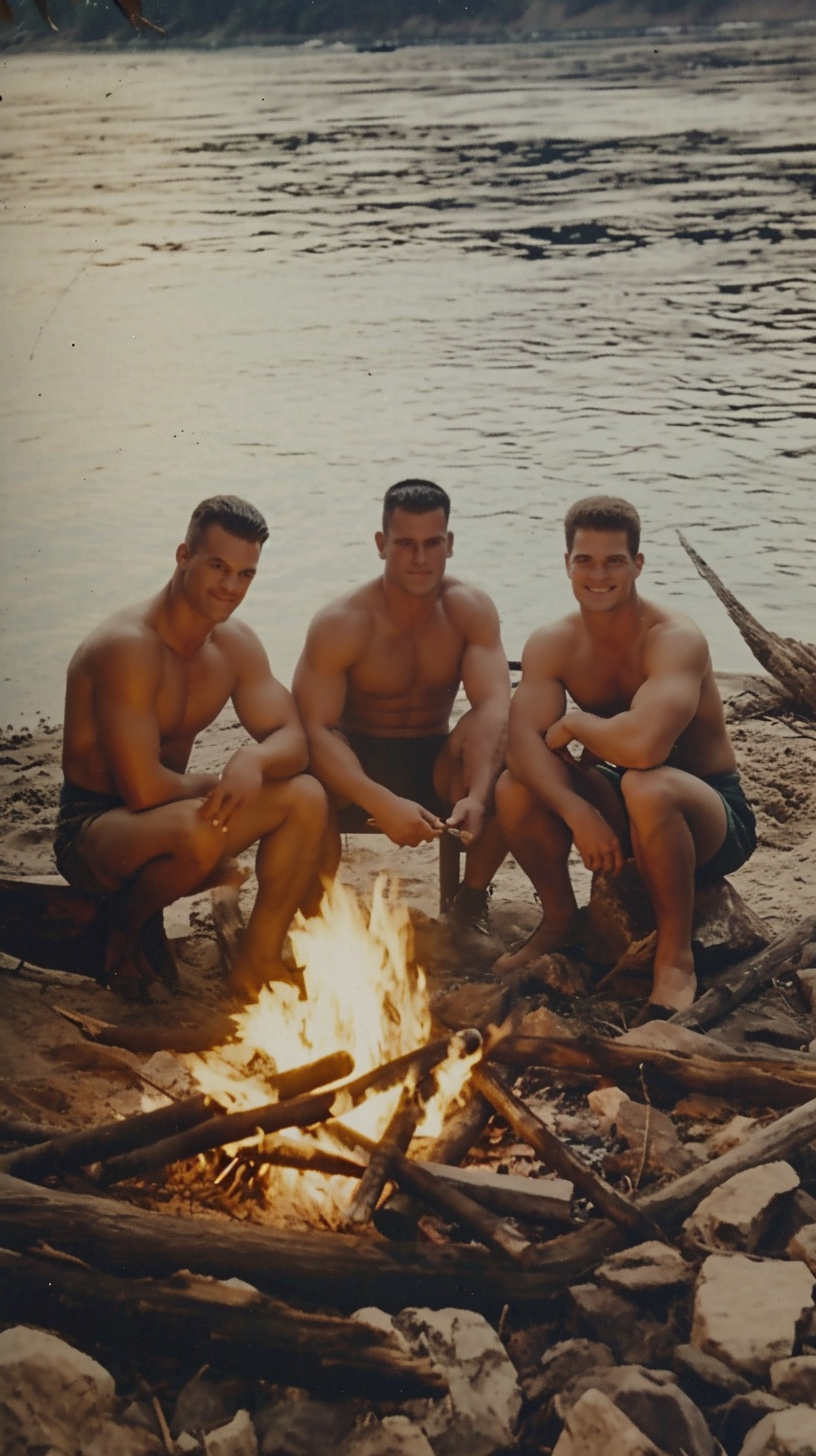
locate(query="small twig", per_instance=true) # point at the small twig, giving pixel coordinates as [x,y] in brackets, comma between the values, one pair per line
[646,1129]
[169,1443]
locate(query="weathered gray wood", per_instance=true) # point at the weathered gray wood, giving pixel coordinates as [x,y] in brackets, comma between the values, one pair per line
[252,1333]
[542,1200]
[741,981]
[792,663]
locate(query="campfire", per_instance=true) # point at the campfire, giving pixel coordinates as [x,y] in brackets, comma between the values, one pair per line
[365,997]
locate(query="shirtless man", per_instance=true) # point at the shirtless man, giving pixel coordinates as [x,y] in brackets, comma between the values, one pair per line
[375,686]
[133,822]
[656,772]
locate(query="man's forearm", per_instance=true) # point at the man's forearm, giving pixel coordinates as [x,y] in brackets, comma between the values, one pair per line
[338,768]
[484,750]
[544,774]
[282,755]
[620,740]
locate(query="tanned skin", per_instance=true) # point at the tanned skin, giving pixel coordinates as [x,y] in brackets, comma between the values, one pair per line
[140,689]
[388,659]
[646,700]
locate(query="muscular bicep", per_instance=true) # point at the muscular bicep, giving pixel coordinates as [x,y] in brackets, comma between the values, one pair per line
[540,698]
[127,677]
[485,674]
[667,701]
[320,683]
[261,703]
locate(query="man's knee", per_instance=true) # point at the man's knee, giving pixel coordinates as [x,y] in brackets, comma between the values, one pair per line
[648,794]
[307,805]
[513,801]
[191,839]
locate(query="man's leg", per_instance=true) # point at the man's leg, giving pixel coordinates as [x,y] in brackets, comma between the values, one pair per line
[677,823]
[541,843]
[158,855]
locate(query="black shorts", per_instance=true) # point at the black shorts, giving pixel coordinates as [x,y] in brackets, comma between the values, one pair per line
[740,835]
[78,808]
[403,765]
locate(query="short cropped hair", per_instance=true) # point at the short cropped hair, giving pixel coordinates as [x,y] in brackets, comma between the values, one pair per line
[234,515]
[603,513]
[416,497]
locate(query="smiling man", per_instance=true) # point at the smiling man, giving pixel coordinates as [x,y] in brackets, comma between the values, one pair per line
[655,773]
[376,684]
[134,824]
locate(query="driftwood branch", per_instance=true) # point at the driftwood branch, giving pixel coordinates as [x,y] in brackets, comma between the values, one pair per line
[417,1178]
[792,663]
[554,1153]
[744,1079]
[395,1139]
[246,1331]
[77,1149]
[741,981]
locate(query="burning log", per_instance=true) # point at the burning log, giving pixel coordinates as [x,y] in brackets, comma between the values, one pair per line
[72,1150]
[553,1152]
[495,1232]
[742,1078]
[249,1331]
[792,663]
[397,1217]
[167,1124]
[275,1116]
[304,1158]
[395,1139]
[740,982]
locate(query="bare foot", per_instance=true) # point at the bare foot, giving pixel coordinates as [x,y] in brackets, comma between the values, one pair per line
[675,986]
[545,939]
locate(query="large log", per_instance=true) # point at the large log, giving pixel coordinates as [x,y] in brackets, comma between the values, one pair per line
[238,1330]
[743,1078]
[792,663]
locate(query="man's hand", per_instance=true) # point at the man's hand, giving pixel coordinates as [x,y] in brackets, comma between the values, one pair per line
[407,823]
[239,785]
[468,817]
[595,840]
[558,735]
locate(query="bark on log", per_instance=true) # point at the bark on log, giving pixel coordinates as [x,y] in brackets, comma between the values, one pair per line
[484,1225]
[395,1139]
[526,1125]
[275,1116]
[77,1149]
[741,981]
[743,1078]
[792,663]
[397,1217]
[253,1333]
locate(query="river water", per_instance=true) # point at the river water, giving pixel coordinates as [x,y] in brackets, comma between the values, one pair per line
[528,272]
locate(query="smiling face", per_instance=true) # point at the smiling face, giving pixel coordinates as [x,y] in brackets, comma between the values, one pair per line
[217,572]
[601,569]
[415,550]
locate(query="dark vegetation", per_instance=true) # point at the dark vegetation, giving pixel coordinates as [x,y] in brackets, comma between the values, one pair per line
[365,21]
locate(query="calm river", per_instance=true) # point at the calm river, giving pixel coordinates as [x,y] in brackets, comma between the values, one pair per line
[528,272]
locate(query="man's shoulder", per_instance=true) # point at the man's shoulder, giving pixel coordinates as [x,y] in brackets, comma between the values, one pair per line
[125,634]
[466,604]
[346,619]
[553,643]
[671,633]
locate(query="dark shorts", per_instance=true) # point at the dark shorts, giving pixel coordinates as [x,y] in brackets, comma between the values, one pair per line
[77,810]
[740,835]
[403,765]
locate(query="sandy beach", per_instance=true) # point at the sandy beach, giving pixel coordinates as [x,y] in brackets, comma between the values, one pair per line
[51,1074]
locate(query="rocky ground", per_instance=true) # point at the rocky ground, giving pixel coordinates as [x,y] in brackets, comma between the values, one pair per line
[664,1349]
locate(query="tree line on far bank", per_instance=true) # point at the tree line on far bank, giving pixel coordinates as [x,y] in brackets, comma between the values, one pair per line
[365,20]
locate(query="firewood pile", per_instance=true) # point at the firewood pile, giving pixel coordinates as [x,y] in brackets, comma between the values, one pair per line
[629,1250]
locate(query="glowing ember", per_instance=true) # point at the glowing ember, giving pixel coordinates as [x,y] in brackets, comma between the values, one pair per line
[366,996]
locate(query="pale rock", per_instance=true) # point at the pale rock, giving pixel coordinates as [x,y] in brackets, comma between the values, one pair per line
[186,1443]
[235,1439]
[620,912]
[730,1136]
[746,1311]
[296,1425]
[654,1403]
[595,1427]
[606,1103]
[392,1436]
[806,981]
[634,1336]
[644,1268]
[377,1319]
[737,1214]
[638,1125]
[50,1393]
[543,1022]
[739,1416]
[790,1432]
[563,1363]
[795,1379]
[479,1414]
[114,1440]
[803,1246]
[705,1379]
[203,1404]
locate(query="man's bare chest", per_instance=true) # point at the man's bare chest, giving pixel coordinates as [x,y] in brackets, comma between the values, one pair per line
[398,664]
[192,693]
[604,686]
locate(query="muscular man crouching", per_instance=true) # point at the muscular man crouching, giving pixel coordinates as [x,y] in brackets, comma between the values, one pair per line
[133,822]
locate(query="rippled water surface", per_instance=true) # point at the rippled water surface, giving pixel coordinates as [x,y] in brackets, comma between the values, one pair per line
[527,272]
